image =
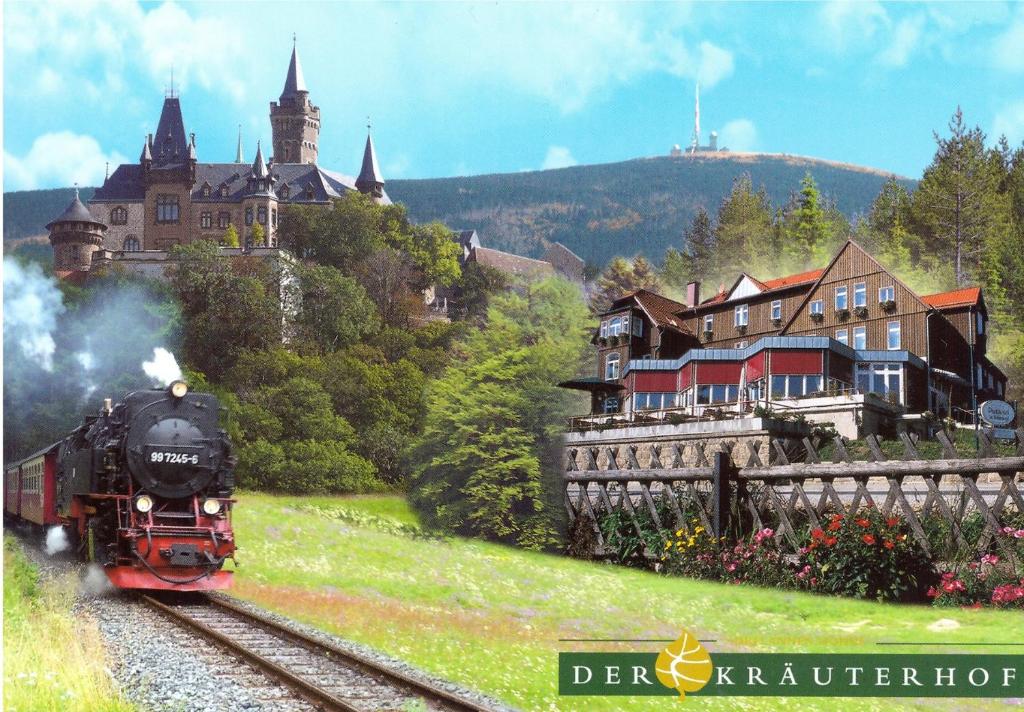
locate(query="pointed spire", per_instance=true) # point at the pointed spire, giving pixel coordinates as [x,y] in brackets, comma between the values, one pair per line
[259,166]
[239,155]
[170,144]
[294,82]
[192,147]
[147,153]
[370,179]
[75,212]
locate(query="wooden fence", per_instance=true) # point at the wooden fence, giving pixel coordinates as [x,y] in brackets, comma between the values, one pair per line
[793,490]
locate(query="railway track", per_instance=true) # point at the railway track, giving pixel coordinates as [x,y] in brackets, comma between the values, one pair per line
[325,675]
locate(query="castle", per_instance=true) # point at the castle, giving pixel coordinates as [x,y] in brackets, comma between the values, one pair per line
[170,198]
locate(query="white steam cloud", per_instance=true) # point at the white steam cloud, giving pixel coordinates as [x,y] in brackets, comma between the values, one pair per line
[56,541]
[32,304]
[94,581]
[163,369]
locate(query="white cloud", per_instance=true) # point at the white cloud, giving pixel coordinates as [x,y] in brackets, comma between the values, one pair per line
[1008,48]
[843,24]
[715,64]
[1010,121]
[739,135]
[902,42]
[558,157]
[60,158]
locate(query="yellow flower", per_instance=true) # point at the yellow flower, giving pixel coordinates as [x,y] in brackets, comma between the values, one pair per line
[679,532]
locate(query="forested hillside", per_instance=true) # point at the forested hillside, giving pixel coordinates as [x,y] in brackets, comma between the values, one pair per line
[640,206]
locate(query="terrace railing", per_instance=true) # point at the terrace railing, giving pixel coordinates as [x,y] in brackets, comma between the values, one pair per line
[794,486]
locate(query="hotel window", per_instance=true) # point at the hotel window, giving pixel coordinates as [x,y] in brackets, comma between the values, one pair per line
[978,372]
[638,327]
[881,378]
[223,219]
[841,301]
[261,215]
[611,367]
[860,294]
[119,216]
[755,390]
[131,244]
[167,210]
[248,216]
[740,315]
[709,323]
[796,386]
[893,338]
[719,393]
[611,405]
[206,220]
[860,338]
[604,328]
[777,309]
[980,322]
[740,345]
[654,401]
[817,307]
[843,336]
[615,326]
[886,294]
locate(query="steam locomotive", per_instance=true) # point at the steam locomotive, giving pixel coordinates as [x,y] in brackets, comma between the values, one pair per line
[142,489]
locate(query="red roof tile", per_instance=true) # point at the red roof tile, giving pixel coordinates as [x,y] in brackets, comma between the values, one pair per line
[662,309]
[792,279]
[966,297]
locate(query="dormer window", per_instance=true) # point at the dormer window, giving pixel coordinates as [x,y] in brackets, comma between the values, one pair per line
[206,190]
[284,191]
[309,192]
[777,310]
[709,323]
[223,190]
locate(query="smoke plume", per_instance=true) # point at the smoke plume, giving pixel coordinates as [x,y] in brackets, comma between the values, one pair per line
[163,368]
[94,582]
[32,303]
[56,541]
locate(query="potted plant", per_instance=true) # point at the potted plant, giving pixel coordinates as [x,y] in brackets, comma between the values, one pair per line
[888,305]
[861,311]
[817,316]
[843,313]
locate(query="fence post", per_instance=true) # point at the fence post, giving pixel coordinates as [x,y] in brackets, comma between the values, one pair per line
[721,493]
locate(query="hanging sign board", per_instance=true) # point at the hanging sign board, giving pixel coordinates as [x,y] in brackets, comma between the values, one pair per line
[997,412]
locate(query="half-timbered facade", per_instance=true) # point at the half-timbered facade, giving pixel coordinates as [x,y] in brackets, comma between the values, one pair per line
[846,332]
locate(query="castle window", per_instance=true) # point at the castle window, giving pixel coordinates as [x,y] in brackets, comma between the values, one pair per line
[206,220]
[287,153]
[309,192]
[273,218]
[223,191]
[118,216]
[261,215]
[284,191]
[206,191]
[131,244]
[248,216]
[76,254]
[167,210]
[223,219]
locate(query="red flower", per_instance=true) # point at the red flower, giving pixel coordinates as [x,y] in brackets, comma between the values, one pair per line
[892,521]
[836,525]
[830,541]
[863,522]
[818,534]
[837,518]
[888,544]
[868,539]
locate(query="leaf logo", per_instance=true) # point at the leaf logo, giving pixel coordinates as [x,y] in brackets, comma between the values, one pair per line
[684,665]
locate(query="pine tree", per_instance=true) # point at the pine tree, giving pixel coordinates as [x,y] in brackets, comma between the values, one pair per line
[957,204]
[621,277]
[743,229]
[807,232]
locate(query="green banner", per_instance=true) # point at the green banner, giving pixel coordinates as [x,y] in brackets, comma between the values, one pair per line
[802,675]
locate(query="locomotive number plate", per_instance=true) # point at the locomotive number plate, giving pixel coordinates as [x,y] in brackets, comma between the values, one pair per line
[173,458]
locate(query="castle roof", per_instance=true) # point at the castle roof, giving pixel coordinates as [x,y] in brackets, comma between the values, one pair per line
[170,145]
[75,212]
[259,166]
[294,82]
[369,175]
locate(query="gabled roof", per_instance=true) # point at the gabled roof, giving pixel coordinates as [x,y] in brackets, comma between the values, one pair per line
[507,262]
[793,279]
[956,298]
[662,311]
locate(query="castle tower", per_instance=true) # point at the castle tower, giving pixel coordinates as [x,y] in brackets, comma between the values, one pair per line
[75,235]
[294,121]
[370,181]
[259,205]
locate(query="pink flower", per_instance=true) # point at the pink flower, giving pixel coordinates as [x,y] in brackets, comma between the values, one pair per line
[990,559]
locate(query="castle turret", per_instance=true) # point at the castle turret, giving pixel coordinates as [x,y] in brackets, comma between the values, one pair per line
[260,205]
[75,235]
[294,121]
[370,181]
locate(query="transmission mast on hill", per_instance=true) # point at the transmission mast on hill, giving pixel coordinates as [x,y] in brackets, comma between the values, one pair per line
[695,141]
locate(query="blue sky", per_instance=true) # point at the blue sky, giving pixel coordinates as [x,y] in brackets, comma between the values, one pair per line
[458,89]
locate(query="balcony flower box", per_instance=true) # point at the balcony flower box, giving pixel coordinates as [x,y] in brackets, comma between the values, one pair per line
[889,305]
[742,328]
[862,312]
[817,316]
[842,314]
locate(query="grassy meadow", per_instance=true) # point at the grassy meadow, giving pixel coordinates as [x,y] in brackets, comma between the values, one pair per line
[490,617]
[52,662]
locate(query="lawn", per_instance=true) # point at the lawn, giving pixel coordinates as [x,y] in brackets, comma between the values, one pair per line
[52,662]
[490,617]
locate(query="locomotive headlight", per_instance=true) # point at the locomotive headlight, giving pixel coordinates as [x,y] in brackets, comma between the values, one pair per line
[143,503]
[211,506]
[179,389]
